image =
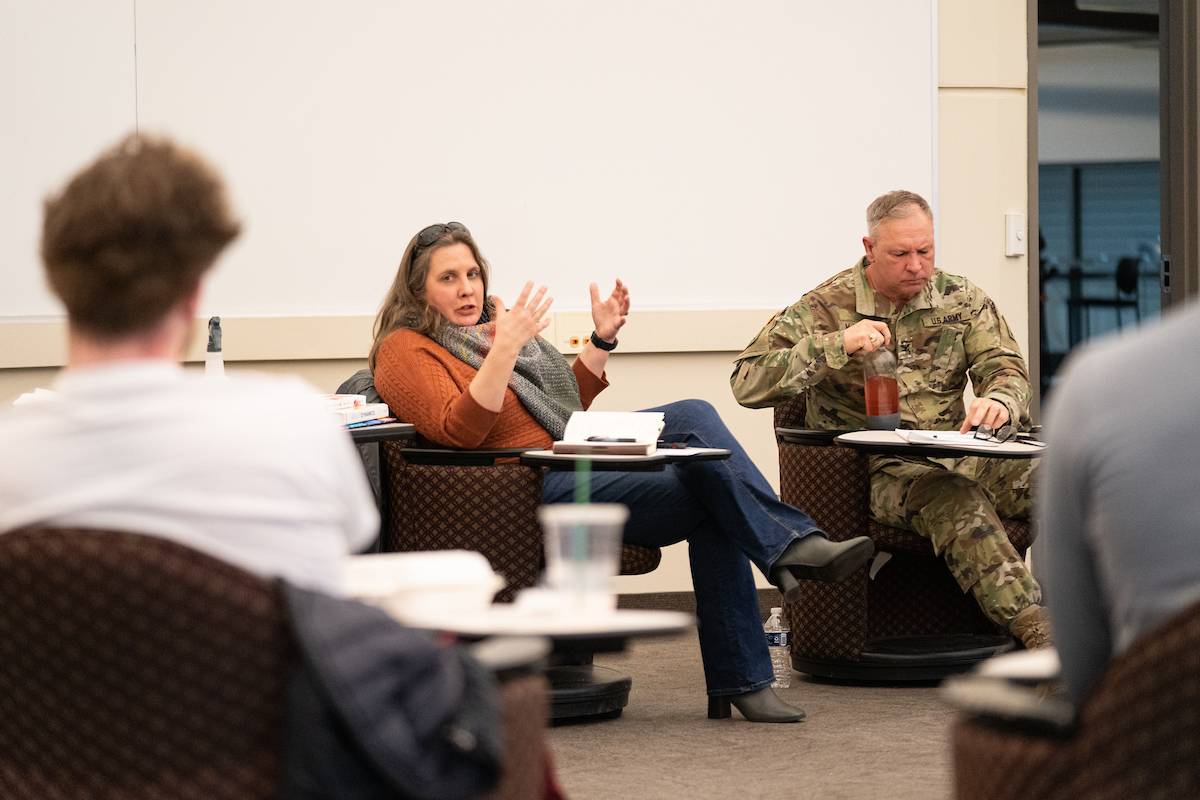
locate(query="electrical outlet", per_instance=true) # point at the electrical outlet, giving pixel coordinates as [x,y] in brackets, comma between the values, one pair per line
[573,342]
[574,329]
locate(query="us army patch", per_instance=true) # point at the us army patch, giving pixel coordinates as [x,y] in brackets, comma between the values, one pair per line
[937,320]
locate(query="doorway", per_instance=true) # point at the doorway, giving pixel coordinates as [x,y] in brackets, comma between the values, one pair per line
[1098,172]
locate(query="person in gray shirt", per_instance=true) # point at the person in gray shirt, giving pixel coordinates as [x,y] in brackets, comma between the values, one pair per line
[1120,494]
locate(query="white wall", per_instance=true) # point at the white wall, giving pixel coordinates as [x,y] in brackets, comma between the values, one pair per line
[1098,102]
[671,143]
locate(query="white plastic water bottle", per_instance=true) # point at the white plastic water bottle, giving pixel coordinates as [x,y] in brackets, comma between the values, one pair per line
[779,645]
[214,362]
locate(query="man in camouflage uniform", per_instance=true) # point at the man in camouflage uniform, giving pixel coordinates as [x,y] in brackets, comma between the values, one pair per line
[944,329]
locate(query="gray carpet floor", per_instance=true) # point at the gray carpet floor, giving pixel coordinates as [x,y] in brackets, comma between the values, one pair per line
[858,741]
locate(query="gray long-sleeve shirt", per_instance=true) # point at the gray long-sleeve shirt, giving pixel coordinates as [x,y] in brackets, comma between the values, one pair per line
[1120,494]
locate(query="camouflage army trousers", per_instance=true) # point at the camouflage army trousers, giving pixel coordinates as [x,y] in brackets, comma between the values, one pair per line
[957,503]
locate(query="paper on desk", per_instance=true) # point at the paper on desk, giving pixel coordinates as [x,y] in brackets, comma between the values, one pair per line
[945,437]
[611,432]
[641,426]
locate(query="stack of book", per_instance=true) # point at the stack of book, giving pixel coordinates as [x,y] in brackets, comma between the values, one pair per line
[353,410]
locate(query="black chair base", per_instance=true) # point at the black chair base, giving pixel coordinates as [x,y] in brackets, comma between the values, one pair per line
[909,658]
[585,692]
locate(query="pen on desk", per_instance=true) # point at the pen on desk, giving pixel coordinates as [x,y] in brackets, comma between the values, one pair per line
[613,439]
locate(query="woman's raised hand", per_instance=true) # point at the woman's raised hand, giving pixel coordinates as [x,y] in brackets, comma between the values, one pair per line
[527,318]
[609,314]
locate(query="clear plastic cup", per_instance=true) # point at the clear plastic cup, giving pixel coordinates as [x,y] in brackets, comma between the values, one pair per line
[583,552]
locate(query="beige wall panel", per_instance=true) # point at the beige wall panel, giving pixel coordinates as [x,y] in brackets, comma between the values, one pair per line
[32,342]
[981,43]
[41,342]
[325,375]
[15,382]
[981,176]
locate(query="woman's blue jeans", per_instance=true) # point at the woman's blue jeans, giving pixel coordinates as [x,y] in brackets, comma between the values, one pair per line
[729,516]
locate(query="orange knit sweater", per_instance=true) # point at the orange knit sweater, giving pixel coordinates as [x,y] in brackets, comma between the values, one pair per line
[424,384]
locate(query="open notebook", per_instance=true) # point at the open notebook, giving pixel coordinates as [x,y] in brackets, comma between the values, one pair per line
[616,433]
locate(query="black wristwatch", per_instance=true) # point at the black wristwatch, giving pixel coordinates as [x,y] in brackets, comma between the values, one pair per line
[603,345]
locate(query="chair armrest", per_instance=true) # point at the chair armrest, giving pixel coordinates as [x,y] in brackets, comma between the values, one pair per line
[511,656]
[461,458]
[806,436]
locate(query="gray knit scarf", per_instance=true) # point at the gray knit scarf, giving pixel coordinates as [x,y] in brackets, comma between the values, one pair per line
[541,379]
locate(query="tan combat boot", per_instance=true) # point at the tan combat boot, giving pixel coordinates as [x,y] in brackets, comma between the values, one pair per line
[1032,627]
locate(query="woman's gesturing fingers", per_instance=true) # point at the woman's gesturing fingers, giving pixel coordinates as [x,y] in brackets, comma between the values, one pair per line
[609,314]
[527,317]
[621,293]
[543,309]
[535,305]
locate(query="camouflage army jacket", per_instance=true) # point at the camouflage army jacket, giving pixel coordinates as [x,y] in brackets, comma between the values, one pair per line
[950,331]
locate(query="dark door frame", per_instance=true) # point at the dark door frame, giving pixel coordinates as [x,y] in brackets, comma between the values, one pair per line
[1032,237]
[1179,151]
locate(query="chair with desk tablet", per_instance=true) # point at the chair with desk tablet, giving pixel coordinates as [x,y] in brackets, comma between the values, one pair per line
[440,499]
[901,618]
[135,667]
[483,500]
[1136,735]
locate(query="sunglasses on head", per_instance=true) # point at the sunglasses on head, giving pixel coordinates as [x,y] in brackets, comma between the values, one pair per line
[431,234]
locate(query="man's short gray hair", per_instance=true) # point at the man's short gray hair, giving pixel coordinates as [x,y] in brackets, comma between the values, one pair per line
[894,205]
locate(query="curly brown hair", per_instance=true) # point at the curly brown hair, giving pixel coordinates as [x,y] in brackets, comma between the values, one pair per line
[405,305]
[131,235]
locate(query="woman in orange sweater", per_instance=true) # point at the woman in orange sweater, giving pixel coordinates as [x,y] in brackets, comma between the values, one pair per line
[470,372]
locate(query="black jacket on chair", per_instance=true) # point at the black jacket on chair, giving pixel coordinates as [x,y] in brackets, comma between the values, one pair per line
[378,710]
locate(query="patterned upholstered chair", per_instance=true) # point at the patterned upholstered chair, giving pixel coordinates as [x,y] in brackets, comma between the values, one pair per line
[1137,734]
[435,498]
[442,499]
[133,667]
[910,621]
[445,499]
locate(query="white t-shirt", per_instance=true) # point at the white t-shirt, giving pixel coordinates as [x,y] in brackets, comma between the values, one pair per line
[251,469]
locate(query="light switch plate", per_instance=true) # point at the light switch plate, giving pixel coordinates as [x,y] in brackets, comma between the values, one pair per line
[1014,234]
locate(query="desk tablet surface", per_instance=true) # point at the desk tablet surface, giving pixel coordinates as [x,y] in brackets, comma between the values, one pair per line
[510,620]
[662,456]
[599,463]
[892,442]
[380,433]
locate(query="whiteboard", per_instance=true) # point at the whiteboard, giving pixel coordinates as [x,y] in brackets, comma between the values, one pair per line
[66,92]
[715,155]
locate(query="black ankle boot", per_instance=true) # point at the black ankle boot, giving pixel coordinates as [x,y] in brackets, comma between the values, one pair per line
[761,706]
[815,558]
